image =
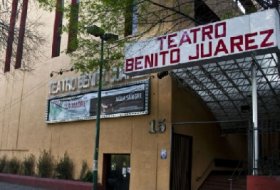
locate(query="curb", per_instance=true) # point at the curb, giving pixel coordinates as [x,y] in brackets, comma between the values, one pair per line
[52,184]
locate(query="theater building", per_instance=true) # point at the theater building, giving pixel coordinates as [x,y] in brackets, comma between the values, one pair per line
[180,129]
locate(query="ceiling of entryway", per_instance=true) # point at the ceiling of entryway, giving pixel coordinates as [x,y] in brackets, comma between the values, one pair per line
[225,87]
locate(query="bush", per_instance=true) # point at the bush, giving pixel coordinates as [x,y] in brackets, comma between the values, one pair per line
[3,163]
[88,177]
[13,166]
[65,168]
[29,165]
[84,170]
[46,164]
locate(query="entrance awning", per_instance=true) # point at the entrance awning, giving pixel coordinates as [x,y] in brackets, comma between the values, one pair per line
[233,69]
[225,87]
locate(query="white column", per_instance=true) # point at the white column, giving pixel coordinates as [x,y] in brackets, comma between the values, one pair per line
[255,120]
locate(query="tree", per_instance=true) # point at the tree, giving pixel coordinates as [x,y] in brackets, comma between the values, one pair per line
[124,17]
[136,20]
[14,36]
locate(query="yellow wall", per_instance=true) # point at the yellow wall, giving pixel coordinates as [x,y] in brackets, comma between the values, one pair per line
[131,135]
[23,130]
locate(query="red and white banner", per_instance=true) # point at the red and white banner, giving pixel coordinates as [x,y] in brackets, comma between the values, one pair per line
[257,33]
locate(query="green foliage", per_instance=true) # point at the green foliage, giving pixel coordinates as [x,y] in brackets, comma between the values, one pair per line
[109,13]
[13,166]
[47,4]
[64,168]
[29,165]
[115,16]
[85,174]
[3,163]
[110,16]
[88,177]
[84,170]
[46,164]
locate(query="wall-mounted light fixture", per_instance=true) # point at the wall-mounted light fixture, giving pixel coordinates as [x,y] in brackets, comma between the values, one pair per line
[162,74]
[61,71]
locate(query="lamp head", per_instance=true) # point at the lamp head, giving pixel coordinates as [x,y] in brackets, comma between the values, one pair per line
[95,31]
[99,32]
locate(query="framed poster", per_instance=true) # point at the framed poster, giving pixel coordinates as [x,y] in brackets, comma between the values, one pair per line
[129,100]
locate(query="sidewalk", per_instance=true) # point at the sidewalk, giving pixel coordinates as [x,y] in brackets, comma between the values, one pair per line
[8,186]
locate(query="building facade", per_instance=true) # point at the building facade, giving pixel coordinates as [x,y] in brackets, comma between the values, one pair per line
[152,128]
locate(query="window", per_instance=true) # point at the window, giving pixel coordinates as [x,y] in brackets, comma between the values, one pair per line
[21,34]
[73,26]
[10,40]
[57,28]
[131,18]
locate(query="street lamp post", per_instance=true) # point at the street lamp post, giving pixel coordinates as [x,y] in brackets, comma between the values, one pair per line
[99,32]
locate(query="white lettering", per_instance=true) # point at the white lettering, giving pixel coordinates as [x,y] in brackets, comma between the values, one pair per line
[129,97]
[84,81]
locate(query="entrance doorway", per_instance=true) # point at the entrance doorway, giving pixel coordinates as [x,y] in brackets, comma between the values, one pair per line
[181,162]
[116,171]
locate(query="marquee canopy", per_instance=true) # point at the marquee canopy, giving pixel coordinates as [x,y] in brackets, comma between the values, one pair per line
[215,61]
